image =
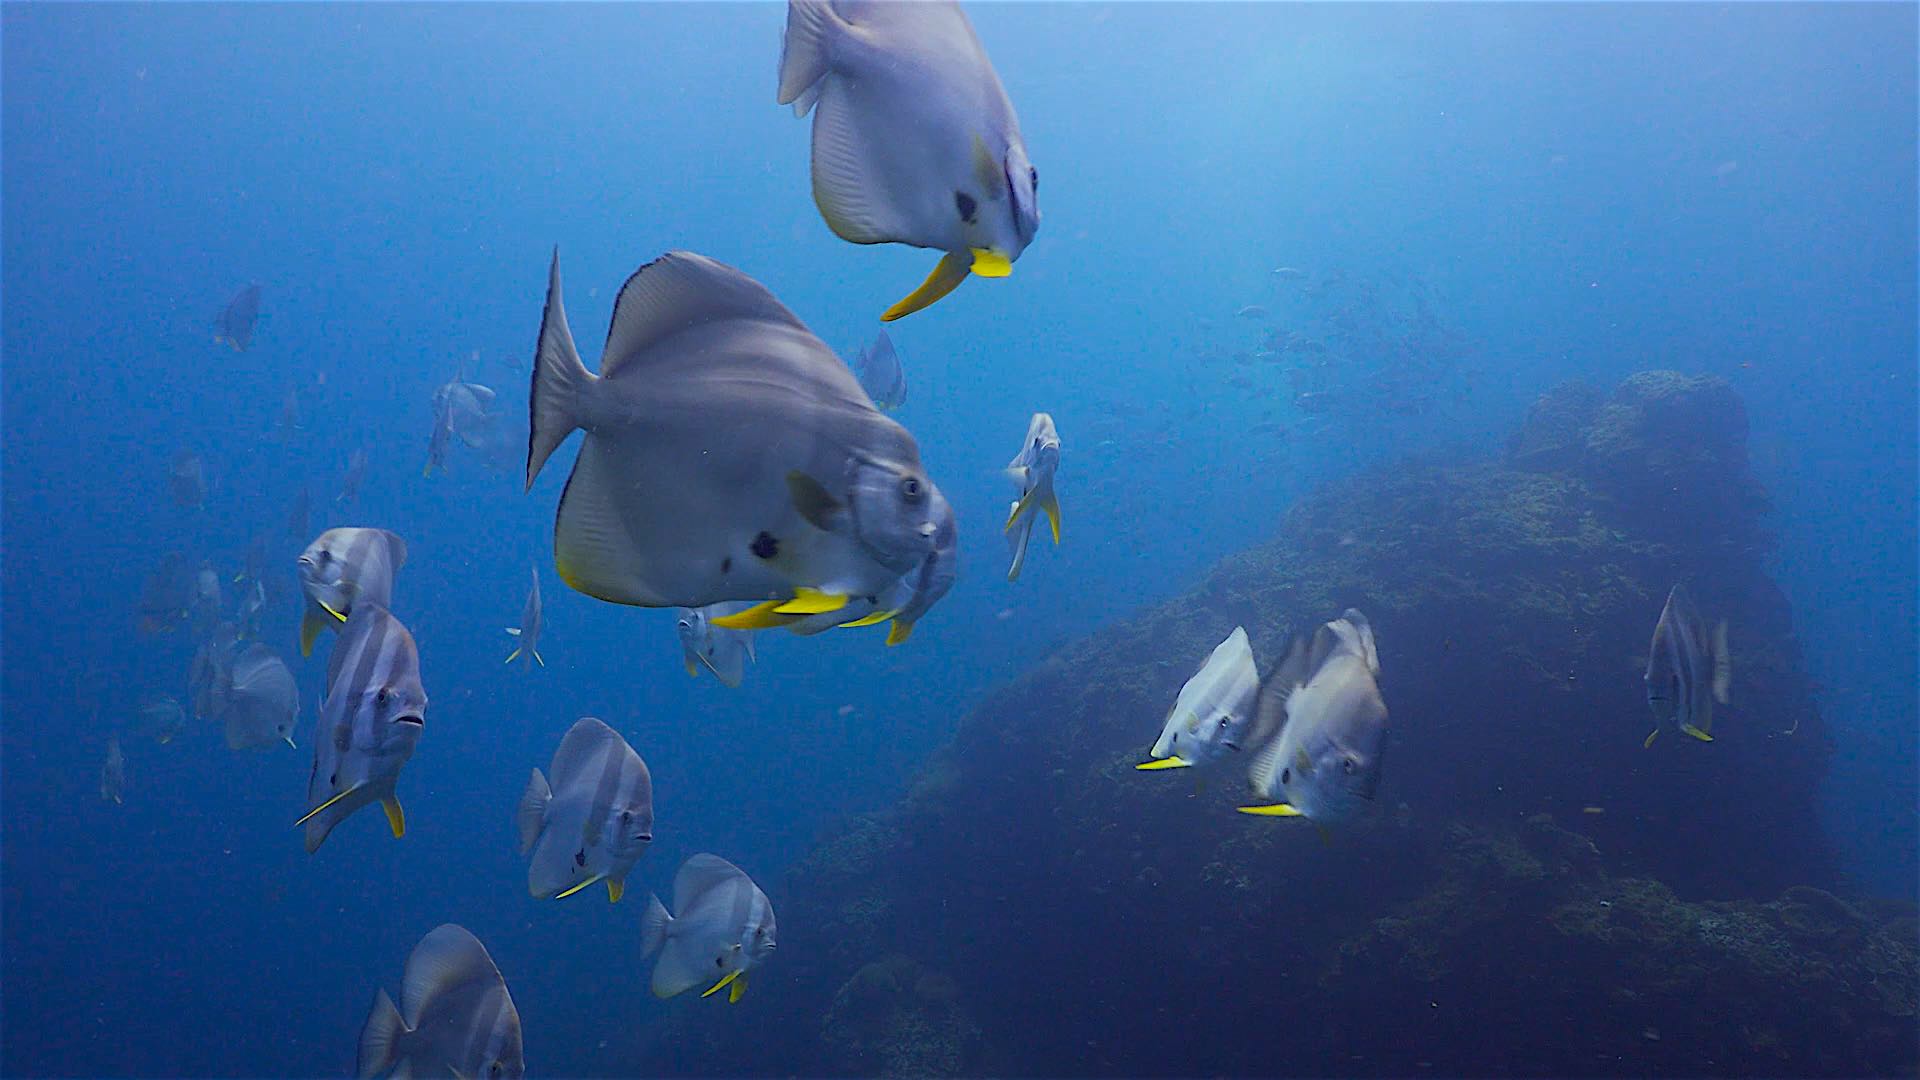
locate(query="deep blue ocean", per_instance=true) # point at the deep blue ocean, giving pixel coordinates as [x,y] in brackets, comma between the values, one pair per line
[1568,190]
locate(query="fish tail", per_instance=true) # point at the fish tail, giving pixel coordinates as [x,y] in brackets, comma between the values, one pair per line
[805,53]
[380,1038]
[559,380]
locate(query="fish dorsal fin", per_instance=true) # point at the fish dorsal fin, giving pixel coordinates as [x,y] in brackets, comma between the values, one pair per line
[1363,636]
[676,292]
[255,662]
[701,874]
[396,549]
[449,956]
[583,745]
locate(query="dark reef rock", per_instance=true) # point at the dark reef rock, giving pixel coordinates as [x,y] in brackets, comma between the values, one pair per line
[1538,894]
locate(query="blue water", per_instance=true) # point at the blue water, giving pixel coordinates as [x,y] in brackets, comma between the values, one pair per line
[1584,191]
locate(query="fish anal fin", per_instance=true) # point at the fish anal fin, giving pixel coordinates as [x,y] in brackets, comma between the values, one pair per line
[396,817]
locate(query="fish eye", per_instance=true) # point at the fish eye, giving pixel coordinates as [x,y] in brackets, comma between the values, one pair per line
[384,696]
[910,489]
[1346,766]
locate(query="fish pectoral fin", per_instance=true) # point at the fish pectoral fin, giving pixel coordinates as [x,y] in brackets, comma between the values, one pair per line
[990,263]
[874,619]
[947,275]
[811,602]
[715,988]
[396,817]
[309,814]
[1158,764]
[898,633]
[758,617]
[737,991]
[1696,732]
[814,502]
[1651,735]
[514,630]
[1275,810]
[615,890]
[581,885]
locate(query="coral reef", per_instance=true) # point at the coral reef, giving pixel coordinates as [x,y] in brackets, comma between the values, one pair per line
[1538,893]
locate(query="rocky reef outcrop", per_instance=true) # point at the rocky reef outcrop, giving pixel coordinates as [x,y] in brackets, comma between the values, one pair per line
[1538,893]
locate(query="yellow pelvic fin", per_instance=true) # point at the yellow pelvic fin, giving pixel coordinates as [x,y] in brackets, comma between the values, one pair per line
[577,888]
[1162,763]
[1276,810]
[615,890]
[324,805]
[715,988]
[541,660]
[692,668]
[1696,733]
[1019,508]
[396,817]
[898,632]
[330,610]
[310,626]
[1052,507]
[811,602]
[874,619]
[757,617]
[511,657]
[737,991]
[947,275]
[1651,735]
[990,263]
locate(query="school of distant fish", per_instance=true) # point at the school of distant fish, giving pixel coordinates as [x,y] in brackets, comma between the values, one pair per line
[733,468]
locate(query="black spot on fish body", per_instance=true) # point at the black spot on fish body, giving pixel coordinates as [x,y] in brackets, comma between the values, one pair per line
[580,857]
[964,203]
[765,546]
[1286,776]
[726,565]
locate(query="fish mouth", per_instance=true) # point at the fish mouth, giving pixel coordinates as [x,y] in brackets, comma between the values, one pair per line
[416,721]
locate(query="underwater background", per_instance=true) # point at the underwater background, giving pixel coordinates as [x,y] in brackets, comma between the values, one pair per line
[1482,202]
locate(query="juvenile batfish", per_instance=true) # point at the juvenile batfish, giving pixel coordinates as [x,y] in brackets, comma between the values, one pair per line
[210,674]
[369,724]
[262,701]
[725,653]
[341,567]
[527,650]
[234,326]
[163,716]
[1211,716]
[166,594]
[187,480]
[356,475]
[723,929]
[455,1016]
[729,455]
[1032,469]
[1688,670]
[460,410]
[881,375]
[113,773]
[914,140]
[1324,762]
[594,821]
[252,607]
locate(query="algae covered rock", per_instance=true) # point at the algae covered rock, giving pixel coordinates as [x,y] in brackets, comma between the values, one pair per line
[1537,893]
